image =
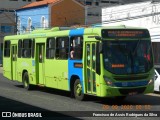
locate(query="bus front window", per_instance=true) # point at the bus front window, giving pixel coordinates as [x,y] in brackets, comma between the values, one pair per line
[127,57]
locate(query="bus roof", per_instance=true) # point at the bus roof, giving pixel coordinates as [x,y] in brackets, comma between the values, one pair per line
[67,31]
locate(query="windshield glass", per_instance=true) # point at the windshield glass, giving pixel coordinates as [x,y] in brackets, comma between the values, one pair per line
[127,57]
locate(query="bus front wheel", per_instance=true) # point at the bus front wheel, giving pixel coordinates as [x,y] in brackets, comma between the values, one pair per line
[79,95]
[26,84]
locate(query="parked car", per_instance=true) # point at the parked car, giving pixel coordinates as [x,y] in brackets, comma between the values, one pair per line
[157,80]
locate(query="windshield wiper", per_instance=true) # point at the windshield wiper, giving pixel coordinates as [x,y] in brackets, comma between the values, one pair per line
[136,46]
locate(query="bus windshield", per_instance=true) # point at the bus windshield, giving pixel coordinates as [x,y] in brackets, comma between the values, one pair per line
[127,57]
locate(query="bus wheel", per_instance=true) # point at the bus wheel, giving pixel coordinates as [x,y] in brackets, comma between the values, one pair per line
[26,81]
[79,95]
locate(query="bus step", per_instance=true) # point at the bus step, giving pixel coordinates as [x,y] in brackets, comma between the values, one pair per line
[41,85]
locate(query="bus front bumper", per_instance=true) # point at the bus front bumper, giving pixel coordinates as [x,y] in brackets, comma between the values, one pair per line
[109,91]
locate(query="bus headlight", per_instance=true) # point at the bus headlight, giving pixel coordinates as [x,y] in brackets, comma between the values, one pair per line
[150,81]
[108,81]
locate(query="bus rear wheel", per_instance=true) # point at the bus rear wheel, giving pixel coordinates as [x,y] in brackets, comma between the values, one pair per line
[79,95]
[26,84]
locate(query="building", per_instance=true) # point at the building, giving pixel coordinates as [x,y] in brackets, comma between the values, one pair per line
[93,8]
[49,13]
[8,18]
[144,14]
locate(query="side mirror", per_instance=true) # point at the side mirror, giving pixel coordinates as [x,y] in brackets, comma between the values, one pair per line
[98,38]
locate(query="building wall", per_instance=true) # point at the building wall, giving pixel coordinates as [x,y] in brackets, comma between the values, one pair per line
[8,18]
[67,13]
[7,27]
[35,14]
[144,14]
[93,9]
[7,23]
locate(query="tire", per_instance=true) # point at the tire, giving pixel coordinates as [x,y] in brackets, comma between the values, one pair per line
[26,84]
[79,95]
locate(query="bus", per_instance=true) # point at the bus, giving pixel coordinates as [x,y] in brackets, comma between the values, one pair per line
[114,61]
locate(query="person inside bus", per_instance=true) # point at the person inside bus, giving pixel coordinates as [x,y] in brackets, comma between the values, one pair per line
[72,53]
[76,48]
[25,53]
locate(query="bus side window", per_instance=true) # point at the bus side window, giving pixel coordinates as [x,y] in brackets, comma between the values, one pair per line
[20,48]
[62,45]
[76,47]
[50,48]
[26,52]
[7,48]
[98,71]
[33,48]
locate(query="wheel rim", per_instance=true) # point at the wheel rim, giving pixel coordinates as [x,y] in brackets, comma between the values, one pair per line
[25,82]
[78,89]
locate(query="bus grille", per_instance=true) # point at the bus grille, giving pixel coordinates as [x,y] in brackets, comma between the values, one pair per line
[134,90]
[131,77]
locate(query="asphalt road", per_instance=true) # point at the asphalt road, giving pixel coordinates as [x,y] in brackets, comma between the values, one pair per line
[53,103]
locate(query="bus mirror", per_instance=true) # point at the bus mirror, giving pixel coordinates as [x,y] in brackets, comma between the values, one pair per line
[98,38]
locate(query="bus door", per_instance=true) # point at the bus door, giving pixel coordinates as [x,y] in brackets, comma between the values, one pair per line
[91,67]
[14,61]
[40,48]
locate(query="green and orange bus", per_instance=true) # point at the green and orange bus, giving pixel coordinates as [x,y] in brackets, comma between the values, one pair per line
[114,61]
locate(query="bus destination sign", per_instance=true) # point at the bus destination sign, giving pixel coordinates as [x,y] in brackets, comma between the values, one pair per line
[125,33]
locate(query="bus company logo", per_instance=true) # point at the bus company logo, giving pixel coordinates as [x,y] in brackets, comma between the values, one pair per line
[6,114]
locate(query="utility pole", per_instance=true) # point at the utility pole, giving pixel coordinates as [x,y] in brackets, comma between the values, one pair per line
[86,11]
